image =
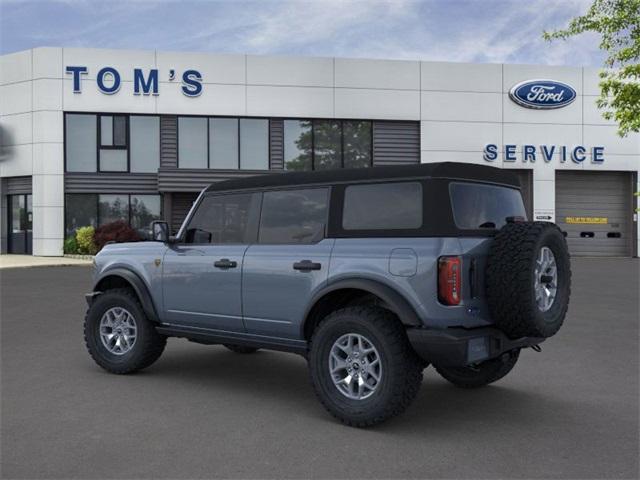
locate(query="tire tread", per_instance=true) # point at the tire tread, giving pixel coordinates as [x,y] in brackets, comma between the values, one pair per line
[152,347]
[403,357]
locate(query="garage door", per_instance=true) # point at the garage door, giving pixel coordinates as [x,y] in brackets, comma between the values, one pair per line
[594,209]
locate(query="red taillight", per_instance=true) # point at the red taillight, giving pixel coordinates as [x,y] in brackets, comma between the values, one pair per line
[450,280]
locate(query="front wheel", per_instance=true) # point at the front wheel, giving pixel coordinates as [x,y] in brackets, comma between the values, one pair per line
[482,374]
[118,335]
[362,367]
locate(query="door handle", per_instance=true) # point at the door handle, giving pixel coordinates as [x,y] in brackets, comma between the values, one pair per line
[225,263]
[306,265]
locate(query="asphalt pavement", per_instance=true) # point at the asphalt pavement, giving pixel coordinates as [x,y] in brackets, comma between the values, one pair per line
[203,411]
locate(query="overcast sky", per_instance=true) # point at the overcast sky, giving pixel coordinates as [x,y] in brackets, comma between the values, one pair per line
[451,30]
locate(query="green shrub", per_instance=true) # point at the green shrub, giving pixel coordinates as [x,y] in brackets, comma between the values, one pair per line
[70,245]
[84,237]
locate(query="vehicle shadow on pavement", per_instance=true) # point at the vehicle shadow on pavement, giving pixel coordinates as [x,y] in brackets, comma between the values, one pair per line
[283,380]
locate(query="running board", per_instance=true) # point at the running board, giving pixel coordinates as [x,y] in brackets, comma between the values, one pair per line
[213,337]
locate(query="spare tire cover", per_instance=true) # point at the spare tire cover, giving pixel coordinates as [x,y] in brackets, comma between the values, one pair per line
[528,279]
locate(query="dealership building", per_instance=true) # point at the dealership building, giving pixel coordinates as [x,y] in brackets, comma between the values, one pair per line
[90,136]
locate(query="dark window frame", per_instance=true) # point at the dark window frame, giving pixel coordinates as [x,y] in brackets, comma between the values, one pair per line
[98,115]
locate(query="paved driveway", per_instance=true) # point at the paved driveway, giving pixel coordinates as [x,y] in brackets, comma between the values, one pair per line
[569,412]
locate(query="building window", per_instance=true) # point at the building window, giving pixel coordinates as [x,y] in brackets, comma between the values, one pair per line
[113,131]
[145,143]
[254,144]
[192,142]
[223,143]
[113,208]
[80,142]
[112,143]
[144,210]
[327,144]
[357,143]
[81,210]
[138,210]
[297,145]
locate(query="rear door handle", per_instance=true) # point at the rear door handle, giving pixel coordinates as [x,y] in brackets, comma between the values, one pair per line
[306,265]
[225,263]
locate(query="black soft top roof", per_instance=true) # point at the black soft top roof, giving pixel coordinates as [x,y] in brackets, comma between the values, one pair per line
[451,170]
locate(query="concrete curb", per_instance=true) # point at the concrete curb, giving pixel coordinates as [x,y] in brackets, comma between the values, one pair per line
[28,261]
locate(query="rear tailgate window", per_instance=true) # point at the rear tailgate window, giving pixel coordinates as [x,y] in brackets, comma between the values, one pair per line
[477,206]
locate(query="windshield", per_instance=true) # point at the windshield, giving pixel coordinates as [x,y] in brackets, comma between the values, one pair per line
[477,206]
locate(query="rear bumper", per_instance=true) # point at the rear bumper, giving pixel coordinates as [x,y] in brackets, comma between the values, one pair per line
[457,347]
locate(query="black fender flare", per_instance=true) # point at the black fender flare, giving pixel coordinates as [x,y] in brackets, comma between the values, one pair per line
[394,300]
[138,286]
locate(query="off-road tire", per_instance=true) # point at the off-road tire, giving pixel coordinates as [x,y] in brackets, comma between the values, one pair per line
[401,368]
[148,346]
[510,279]
[240,348]
[482,374]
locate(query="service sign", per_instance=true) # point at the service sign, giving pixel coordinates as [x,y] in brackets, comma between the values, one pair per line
[542,94]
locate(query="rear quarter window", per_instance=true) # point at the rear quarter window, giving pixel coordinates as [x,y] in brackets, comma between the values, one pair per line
[383,206]
[477,206]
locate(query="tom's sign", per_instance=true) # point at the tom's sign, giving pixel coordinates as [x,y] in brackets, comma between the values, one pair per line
[542,94]
[108,80]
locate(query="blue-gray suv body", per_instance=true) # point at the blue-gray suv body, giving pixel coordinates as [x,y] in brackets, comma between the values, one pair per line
[371,274]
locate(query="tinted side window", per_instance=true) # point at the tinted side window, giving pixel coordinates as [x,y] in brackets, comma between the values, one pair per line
[383,206]
[224,219]
[294,216]
[484,206]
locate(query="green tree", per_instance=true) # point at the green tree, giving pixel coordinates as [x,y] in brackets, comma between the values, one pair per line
[618,23]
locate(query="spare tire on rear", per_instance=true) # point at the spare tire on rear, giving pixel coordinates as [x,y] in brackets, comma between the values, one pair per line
[528,279]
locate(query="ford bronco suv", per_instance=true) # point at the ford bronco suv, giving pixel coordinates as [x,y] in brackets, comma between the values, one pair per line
[371,274]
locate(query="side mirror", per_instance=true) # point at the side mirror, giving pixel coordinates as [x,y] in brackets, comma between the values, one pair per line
[160,231]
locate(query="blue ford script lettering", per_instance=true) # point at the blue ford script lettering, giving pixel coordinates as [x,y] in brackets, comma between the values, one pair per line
[542,94]
[530,153]
[109,81]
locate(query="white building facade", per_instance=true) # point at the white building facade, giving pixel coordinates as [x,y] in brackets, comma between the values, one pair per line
[90,136]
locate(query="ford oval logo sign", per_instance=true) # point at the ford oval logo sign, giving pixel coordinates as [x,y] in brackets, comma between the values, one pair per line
[542,94]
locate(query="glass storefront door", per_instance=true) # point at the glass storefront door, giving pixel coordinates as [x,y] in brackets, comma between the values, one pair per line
[20,223]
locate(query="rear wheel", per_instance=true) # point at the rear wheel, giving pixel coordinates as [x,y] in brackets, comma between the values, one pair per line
[362,367]
[240,348]
[118,335]
[481,374]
